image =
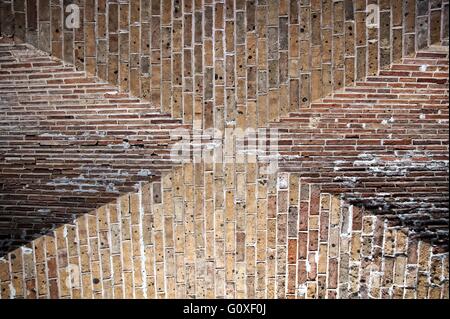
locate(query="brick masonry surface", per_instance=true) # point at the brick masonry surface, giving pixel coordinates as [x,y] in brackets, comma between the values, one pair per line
[69,143]
[357,209]
[210,60]
[177,239]
[382,143]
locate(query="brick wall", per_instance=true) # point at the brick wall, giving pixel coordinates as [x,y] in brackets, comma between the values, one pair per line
[382,143]
[177,239]
[363,142]
[279,53]
[69,143]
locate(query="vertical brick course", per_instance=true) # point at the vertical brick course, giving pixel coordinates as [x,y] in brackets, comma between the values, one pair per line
[339,261]
[143,46]
[227,230]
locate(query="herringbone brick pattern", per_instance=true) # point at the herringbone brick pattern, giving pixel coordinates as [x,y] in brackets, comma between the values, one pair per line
[231,230]
[69,143]
[175,239]
[382,143]
[357,208]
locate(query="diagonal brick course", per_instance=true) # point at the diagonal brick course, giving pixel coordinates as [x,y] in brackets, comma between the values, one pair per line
[167,242]
[70,142]
[357,209]
[199,233]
